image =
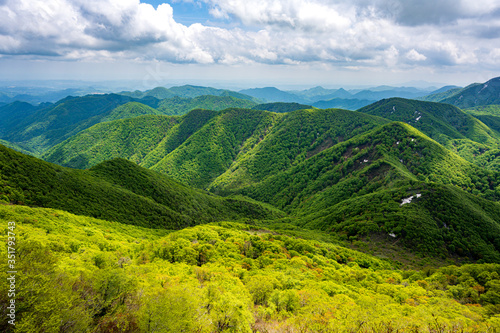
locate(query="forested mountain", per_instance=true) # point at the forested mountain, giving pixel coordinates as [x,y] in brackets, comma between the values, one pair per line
[116,190]
[37,129]
[476,94]
[179,105]
[458,131]
[275,217]
[187,91]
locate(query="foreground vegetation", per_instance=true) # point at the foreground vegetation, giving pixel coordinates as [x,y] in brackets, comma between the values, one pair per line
[79,274]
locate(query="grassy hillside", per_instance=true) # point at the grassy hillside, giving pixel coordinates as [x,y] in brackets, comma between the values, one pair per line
[94,275]
[137,196]
[182,105]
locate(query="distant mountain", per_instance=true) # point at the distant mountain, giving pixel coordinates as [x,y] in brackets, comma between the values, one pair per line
[187,91]
[37,95]
[116,190]
[340,103]
[375,94]
[43,127]
[281,107]
[37,129]
[319,93]
[272,94]
[441,94]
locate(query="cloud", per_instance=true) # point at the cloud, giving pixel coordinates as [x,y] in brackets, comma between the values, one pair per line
[345,33]
[413,55]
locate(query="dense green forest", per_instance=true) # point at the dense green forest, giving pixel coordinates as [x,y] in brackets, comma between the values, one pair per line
[194,209]
[79,274]
[138,196]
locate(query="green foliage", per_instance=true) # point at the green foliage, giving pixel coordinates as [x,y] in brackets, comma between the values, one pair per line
[127,138]
[116,190]
[130,110]
[308,286]
[179,105]
[441,122]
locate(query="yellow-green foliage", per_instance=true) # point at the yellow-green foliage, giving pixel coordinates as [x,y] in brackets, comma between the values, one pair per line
[79,274]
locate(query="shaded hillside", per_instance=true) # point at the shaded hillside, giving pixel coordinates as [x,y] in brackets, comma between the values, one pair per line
[117,190]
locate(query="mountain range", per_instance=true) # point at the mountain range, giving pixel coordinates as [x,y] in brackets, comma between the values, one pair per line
[194,209]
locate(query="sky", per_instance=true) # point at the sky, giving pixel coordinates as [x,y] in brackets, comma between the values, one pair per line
[251,43]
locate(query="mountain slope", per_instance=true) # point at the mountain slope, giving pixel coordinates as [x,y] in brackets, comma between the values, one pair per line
[144,140]
[186,91]
[130,110]
[117,190]
[52,124]
[439,121]
[131,138]
[182,105]
[357,188]
[476,95]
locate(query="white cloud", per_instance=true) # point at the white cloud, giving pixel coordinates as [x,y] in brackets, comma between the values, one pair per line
[344,33]
[413,55]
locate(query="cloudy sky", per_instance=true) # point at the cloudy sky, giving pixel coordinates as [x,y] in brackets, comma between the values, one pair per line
[259,42]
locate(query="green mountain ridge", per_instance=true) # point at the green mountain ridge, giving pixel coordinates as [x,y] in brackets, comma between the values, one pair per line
[476,94]
[139,196]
